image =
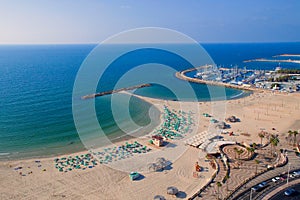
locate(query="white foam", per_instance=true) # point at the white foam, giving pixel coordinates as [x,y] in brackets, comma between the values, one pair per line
[233,97]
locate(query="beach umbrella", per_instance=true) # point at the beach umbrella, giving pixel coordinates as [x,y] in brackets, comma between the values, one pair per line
[159,197]
[172,190]
[152,167]
[160,166]
[161,160]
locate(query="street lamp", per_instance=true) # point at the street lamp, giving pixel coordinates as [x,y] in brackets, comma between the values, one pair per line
[287,180]
[251,193]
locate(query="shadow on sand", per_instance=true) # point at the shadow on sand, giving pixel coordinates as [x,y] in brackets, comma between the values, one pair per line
[141,177]
[181,195]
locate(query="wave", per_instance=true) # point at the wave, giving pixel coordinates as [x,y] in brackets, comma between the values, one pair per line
[238,95]
[4,153]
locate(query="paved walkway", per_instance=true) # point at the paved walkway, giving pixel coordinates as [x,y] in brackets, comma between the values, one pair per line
[237,177]
[212,191]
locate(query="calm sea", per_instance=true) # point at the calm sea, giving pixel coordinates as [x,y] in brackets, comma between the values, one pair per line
[36,83]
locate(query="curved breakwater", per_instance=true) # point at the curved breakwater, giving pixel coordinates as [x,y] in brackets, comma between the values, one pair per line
[182,75]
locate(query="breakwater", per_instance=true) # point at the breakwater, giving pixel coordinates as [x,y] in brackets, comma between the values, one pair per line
[272,60]
[115,91]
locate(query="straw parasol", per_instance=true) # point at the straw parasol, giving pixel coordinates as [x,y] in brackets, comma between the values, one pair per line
[232,119]
[160,160]
[172,190]
[159,197]
[221,125]
[152,167]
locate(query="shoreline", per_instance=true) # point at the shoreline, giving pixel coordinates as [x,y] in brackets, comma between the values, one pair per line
[149,100]
[119,140]
[262,110]
[180,75]
[116,140]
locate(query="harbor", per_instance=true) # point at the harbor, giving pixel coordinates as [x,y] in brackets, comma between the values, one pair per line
[282,80]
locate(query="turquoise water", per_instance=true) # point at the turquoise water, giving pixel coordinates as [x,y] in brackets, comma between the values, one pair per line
[36,84]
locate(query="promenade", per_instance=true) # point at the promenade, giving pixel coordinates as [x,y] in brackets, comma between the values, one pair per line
[294,164]
[242,173]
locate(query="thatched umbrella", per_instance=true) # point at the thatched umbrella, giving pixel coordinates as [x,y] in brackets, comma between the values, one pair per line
[152,167]
[172,190]
[159,166]
[232,119]
[221,125]
[159,197]
[161,160]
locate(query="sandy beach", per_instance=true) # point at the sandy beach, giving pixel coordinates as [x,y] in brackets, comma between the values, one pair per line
[274,113]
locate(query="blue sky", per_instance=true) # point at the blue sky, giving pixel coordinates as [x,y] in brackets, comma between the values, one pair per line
[91,21]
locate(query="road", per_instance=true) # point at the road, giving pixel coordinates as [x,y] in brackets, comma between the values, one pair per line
[244,192]
[281,196]
[270,187]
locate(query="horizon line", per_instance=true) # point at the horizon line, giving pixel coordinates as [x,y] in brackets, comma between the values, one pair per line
[94,43]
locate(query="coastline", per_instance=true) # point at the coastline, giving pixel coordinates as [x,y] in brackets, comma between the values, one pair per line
[152,101]
[36,92]
[254,109]
[143,98]
[116,140]
[264,109]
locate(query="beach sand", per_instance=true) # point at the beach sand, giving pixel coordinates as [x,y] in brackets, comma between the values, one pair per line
[259,111]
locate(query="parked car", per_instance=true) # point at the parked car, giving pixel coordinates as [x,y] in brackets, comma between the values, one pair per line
[260,186]
[275,179]
[296,173]
[283,177]
[270,167]
[292,176]
[255,188]
[289,192]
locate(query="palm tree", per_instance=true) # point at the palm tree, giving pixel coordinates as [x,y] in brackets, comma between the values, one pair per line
[252,150]
[274,142]
[219,184]
[256,162]
[235,150]
[254,145]
[295,133]
[227,179]
[261,135]
[290,132]
[248,151]
[239,152]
